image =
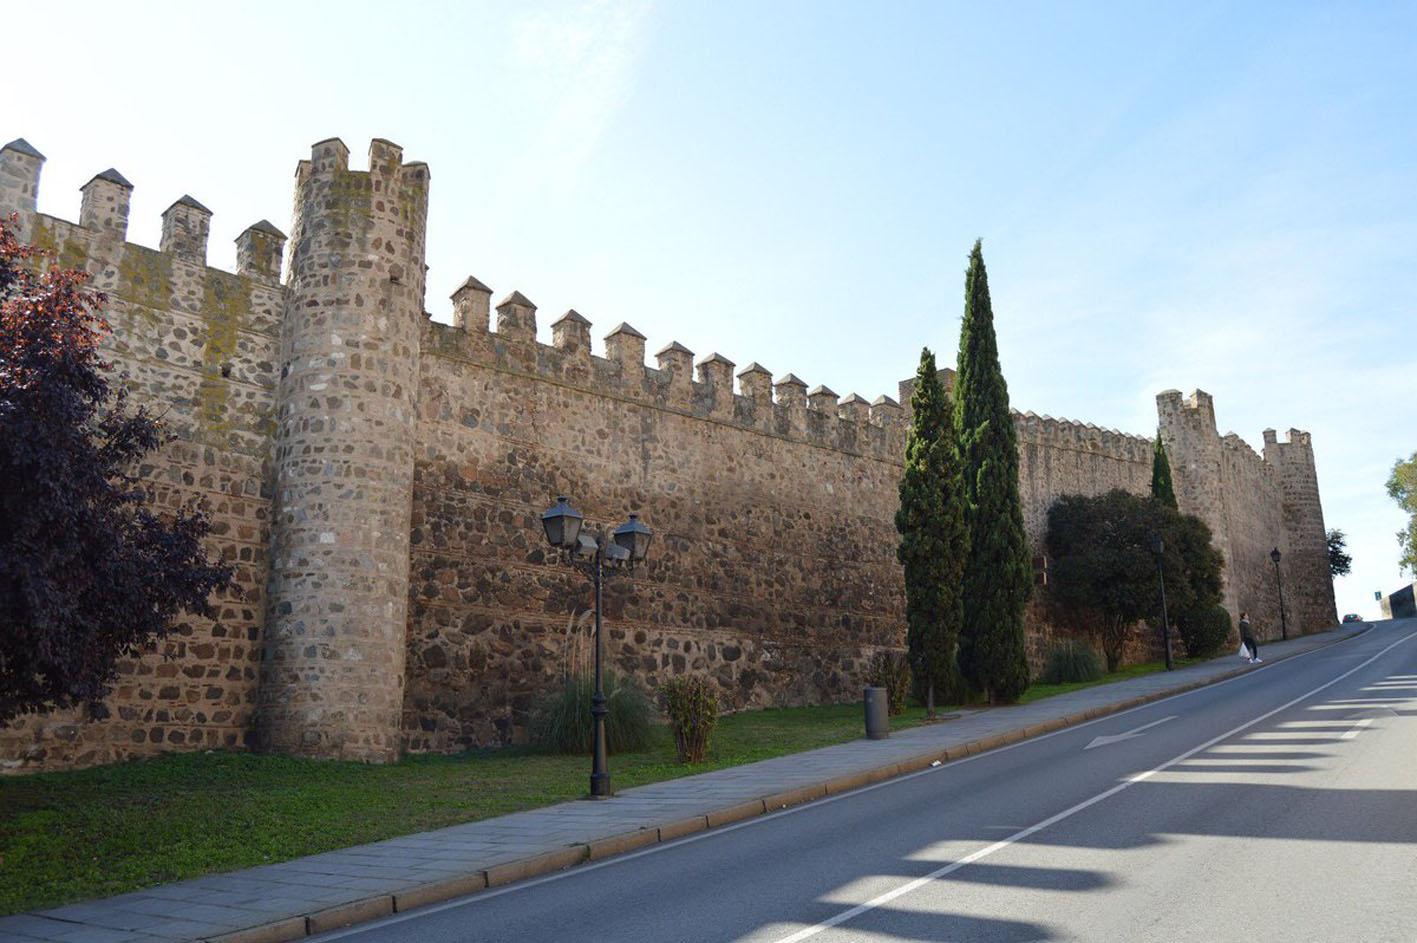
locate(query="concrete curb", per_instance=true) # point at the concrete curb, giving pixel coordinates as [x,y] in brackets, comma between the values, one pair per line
[342,915]
[291,928]
[381,905]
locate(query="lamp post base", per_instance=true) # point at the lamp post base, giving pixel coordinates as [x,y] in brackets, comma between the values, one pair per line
[600,786]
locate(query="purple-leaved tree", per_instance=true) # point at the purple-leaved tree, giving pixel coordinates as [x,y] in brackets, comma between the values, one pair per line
[88,573]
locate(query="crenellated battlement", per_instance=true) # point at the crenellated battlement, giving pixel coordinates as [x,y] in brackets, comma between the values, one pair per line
[98,241]
[1239,461]
[1296,440]
[377,215]
[1197,410]
[199,338]
[1069,435]
[704,388]
[1235,444]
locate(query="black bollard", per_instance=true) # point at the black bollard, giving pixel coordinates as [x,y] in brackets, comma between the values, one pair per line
[878,724]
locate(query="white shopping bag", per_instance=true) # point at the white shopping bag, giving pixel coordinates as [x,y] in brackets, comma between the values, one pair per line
[1244,651]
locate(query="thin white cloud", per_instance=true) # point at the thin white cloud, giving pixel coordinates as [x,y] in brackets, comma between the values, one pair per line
[577,63]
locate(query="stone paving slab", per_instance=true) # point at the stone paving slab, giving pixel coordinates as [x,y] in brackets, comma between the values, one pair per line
[310,895]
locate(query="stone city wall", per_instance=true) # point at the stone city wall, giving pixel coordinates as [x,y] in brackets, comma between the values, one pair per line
[197,346]
[772,567]
[1253,521]
[1057,456]
[383,475]
[1253,506]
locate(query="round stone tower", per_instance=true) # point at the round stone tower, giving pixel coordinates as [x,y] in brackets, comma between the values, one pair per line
[332,684]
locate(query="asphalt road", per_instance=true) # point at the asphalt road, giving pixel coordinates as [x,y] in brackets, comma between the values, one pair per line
[1279,805]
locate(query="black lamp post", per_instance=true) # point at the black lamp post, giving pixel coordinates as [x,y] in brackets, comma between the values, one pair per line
[593,554]
[1156,548]
[1276,556]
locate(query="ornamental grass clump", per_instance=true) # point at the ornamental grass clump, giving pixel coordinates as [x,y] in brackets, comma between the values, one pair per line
[1071,661]
[561,722]
[891,670]
[692,705]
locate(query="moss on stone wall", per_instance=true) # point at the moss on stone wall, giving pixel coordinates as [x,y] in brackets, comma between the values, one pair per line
[43,236]
[68,254]
[145,277]
[226,306]
[349,194]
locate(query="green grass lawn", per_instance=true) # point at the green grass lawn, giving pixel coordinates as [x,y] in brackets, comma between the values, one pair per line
[92,833]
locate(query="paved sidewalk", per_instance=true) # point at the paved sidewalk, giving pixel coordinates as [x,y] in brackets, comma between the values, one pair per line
[311,895]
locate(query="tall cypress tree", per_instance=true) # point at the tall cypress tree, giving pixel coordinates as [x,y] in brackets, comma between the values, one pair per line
[1161,487]
[998,573]
[933,539]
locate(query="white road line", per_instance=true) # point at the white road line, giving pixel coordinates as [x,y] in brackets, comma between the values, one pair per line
[906,888]
[1349,735]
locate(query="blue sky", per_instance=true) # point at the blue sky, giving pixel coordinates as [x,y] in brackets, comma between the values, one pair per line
[1171,195]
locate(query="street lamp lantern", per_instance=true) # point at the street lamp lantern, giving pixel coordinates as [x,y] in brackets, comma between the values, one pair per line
[1276,556]
[634,536]
[1156,548]
[563,525]
[616,555]
[593,554]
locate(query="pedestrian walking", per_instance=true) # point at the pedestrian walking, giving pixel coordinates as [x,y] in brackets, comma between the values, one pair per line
[1247,638]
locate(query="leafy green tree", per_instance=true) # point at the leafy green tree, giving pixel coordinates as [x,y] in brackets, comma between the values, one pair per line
[1100,567]
[1102,571]
[1402,486]
[933,540]
[1161,487]
[1194,590]
[998,572]
[1339,561]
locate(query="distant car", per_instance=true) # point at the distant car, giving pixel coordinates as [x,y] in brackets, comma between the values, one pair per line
[1352,617]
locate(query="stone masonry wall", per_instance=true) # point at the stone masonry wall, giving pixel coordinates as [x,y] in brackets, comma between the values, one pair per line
[384,476]
[1059,457]
[1253,506]
[198,346]
[1308,581]
[772,567]
[1253,523]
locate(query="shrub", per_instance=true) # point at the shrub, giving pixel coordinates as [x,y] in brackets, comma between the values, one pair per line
[1205,631]
[562,723]
[891,670]
[1069,661]
[692,705]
